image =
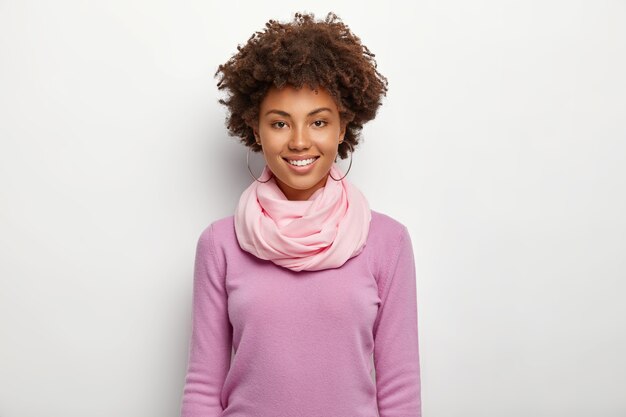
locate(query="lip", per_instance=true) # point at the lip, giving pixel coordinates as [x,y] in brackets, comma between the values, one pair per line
[300,157]
[304,169]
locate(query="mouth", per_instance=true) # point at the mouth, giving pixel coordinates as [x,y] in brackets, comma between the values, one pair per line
[302,166]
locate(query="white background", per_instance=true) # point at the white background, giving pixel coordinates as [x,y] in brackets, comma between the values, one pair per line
[501,145]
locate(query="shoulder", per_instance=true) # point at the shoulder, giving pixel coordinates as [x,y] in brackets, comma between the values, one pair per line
[221,227]
[386,231]
[213,240]
[387,239]
[219,235]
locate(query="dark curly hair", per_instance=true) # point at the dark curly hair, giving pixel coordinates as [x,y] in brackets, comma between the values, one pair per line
[304,51]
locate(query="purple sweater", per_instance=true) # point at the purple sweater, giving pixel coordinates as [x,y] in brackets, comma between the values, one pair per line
[303,341]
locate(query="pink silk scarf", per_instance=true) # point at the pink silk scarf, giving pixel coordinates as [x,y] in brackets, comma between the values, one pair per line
[319,233]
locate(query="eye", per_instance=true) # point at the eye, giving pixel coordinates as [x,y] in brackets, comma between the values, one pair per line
[320,121]
[275,123]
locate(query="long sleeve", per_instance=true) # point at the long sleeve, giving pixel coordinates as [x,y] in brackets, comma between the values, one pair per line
[396,354]
[211,338]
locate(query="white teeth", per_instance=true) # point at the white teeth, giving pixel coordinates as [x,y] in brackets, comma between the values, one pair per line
[302,162]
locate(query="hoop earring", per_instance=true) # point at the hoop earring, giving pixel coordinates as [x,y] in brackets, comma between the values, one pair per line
[349,166]
[249,170]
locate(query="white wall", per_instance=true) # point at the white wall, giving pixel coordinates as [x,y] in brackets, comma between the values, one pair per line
[501,145]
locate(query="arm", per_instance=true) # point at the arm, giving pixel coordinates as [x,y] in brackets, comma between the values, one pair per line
[210,345]
[396,354]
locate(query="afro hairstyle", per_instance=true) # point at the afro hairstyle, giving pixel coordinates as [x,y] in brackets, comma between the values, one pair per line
[302,52]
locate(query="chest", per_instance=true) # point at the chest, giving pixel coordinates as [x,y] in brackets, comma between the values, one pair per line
[262,295]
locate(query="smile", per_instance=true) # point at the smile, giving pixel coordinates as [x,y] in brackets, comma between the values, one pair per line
[303,165]
[302,162]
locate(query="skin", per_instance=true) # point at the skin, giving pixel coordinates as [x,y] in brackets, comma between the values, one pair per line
[299,133]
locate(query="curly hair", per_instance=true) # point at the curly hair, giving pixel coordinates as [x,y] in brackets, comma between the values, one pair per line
[304,51]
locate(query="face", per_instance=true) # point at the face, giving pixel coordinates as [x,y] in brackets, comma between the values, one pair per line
[296,124]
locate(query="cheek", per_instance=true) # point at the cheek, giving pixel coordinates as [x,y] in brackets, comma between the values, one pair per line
[328,139]
[273,157]
[331,143]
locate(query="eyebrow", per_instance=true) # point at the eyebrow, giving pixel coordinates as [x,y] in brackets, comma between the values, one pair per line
[284,113]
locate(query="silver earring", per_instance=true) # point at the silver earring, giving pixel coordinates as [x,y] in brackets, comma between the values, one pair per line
[349,166]
[248,164]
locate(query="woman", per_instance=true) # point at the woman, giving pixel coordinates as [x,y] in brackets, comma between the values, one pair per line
[304,281]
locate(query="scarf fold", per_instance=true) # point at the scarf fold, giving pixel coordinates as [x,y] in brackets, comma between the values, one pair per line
[319,233]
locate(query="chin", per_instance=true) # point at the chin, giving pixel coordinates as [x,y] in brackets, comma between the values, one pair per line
[302,183]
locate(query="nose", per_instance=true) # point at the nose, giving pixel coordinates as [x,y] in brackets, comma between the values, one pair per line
[299,140]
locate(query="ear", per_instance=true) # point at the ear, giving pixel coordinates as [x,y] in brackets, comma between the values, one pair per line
[342,133]
[255,132]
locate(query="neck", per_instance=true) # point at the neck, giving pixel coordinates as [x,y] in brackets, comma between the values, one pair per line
[295,194]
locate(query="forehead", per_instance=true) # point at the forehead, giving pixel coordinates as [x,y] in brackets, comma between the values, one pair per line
[305,96]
